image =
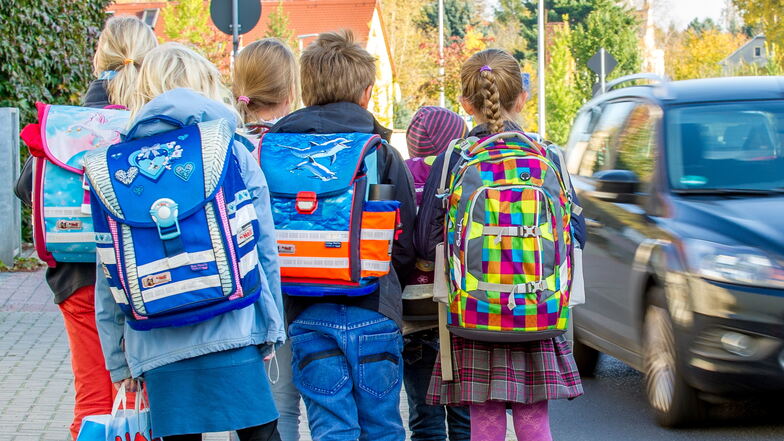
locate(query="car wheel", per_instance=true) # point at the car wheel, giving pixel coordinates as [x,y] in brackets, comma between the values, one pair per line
[585,357]
[673,400]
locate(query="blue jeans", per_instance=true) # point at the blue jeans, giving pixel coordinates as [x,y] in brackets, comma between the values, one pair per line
[428,423]
[347,365]
[285,393]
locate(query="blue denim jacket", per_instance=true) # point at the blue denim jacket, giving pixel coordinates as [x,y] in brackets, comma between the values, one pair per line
[131,353]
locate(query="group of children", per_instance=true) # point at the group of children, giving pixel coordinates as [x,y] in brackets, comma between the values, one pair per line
[344,356]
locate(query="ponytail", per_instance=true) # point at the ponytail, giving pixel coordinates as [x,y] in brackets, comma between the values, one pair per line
[491,107]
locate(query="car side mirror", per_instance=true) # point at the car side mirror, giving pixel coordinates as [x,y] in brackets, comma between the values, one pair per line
[616,185]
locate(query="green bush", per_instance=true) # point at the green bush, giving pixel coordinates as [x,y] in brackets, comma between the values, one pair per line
[46,55]
[47,51]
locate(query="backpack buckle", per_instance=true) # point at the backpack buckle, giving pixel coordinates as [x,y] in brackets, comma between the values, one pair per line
[306,202]
[164,214]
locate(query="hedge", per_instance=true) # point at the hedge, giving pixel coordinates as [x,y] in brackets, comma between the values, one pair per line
[46,52]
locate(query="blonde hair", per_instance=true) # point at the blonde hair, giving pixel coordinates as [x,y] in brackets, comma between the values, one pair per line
[334,68]
[265,75]
[491,82]
[121,48]
[173,65]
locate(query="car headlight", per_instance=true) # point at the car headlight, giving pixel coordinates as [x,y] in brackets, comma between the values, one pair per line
[734,264]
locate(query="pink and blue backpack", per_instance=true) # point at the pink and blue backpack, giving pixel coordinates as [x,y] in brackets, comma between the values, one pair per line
[175,225]
[62,226]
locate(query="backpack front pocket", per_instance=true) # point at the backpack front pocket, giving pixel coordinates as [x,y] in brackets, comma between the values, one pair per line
[379,222]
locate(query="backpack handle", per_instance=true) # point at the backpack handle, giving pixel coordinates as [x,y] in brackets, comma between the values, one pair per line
[503,135]
[151,120]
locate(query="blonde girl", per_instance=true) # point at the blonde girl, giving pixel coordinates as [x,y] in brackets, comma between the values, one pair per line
[121,48]
[122,45]
[265,81]
[207,377]
[489,377]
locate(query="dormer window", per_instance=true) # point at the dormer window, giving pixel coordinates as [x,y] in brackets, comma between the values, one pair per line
[150,16]
[757,51]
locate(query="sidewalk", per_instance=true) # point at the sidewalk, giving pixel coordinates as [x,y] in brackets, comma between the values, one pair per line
[36,387]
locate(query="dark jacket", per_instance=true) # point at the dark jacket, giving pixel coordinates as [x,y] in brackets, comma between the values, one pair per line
[65,278]
[430,219]
[348,118]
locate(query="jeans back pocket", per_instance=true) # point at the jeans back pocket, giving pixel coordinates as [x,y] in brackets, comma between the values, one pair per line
[380,367]
[318,364]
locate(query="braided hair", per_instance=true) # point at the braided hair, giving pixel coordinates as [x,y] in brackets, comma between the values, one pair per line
[491,82]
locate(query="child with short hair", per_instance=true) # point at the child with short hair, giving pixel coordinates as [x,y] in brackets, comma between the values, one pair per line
[347,350]
[122,46]
[265,90]
[208,376]
[489,376]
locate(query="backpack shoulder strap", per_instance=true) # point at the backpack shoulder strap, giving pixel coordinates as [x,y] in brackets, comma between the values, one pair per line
[555,150]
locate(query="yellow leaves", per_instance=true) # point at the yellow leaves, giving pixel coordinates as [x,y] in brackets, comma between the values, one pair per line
[697,54]
[474,40]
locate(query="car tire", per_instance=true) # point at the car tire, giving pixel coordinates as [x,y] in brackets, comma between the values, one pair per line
[674,402]
[585,357]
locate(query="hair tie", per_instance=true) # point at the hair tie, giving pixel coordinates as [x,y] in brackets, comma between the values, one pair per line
[486,68]
[127,61]
[243,99]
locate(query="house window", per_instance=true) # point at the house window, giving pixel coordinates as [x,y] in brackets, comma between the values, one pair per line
[757,51]
[150,16]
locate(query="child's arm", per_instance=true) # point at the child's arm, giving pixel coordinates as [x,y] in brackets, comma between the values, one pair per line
[110,322]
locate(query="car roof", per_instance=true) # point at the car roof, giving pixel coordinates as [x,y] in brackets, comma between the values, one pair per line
[700,91]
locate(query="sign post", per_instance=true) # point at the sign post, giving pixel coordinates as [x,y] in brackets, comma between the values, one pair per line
[541,71]
[602,63]
[235,18]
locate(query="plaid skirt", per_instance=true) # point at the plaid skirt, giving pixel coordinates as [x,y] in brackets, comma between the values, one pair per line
[513,373]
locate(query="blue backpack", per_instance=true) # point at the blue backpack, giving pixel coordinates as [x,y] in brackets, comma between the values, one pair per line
[331,239]
[176,228]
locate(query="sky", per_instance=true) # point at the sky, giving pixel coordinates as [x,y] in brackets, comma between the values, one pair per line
[683,11]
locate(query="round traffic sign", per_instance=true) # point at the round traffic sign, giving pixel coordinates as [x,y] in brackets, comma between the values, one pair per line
[247,16]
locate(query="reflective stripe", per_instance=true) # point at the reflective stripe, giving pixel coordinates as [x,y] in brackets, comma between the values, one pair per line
[163,264]
[523,288]
[244,215]
[75,237]
[375,265]
[524,231]
[311,236]
[376,234]
[107,255]
[119,295]
[313,262]
[248,262]
[170,289]
[65,212]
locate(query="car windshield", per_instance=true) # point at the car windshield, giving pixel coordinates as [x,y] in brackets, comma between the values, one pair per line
[726,147]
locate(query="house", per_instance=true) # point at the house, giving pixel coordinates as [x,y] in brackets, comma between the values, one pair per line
[753,52]
[307,18]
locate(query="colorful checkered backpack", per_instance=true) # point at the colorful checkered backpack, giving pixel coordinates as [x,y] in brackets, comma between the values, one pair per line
[332,240]
[508,242]
[62,226]
[175,225]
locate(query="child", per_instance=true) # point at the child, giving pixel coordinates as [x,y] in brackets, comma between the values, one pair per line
[488,377]
[429,134]
[208,376]
[265,90]
[347,350]
[121,48]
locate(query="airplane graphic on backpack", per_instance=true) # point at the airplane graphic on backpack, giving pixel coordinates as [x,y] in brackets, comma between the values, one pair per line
[62,225]
[175,225]
[332,240]
[508,246]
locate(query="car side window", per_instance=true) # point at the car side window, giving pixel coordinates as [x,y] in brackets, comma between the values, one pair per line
[600,151]
[636,144]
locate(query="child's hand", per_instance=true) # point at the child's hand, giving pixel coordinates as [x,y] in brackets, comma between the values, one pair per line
[131,385]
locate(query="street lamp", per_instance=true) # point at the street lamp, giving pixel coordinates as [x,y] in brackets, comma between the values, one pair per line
[441,99]
[540,63]
[302,37]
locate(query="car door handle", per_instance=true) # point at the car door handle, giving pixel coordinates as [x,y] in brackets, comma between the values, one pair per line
[593,223]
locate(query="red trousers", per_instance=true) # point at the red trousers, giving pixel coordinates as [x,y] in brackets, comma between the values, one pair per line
[94,390]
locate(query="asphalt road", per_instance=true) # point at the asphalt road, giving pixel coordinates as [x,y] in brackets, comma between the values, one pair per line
[614,408]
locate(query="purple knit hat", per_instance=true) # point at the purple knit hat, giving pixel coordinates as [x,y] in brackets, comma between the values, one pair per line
[432,129]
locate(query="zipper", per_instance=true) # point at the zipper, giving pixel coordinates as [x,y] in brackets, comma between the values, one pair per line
[549,211]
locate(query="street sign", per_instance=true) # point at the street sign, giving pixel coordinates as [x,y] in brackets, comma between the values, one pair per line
[602,63]
[235,17]
[248,14]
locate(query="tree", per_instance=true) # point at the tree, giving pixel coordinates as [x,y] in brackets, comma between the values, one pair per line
[563,99]
[278,27]
[699,53]
[459,15]
[700,26]
[613,28]
[767,16]
[188,22]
